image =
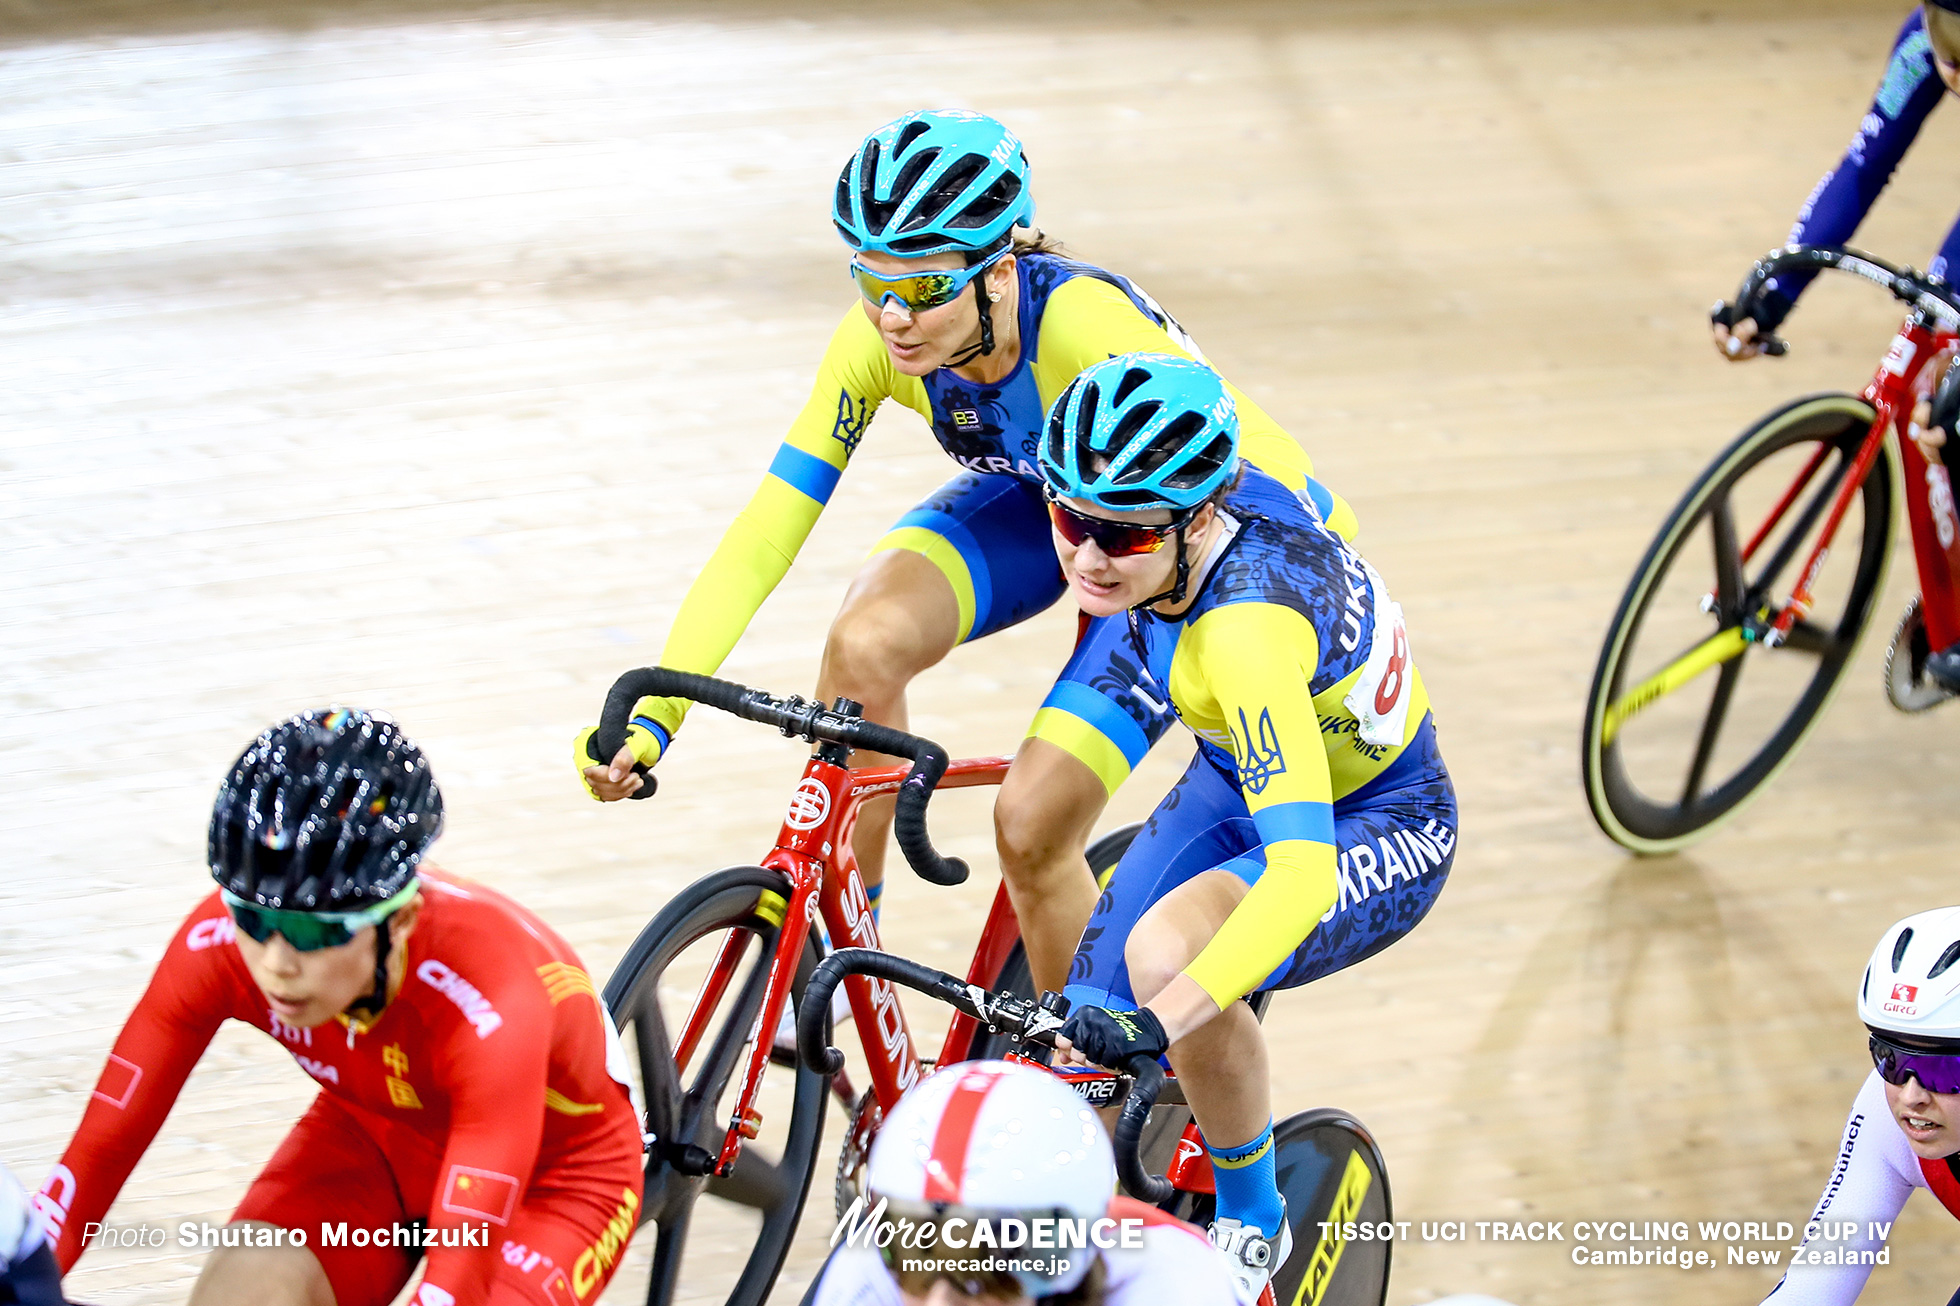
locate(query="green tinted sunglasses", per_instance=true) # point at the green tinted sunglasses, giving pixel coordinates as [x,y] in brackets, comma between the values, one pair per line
[310,931]
[918,291]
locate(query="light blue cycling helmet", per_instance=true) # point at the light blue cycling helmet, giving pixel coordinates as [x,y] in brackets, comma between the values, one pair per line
[1142,431]
[934,182]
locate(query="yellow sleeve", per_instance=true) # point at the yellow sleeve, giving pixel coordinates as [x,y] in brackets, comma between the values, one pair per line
[1256,661]
[1088,320]
[854,378]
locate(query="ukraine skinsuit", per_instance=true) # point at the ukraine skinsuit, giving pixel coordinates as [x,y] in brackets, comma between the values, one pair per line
[986,529]
[1317,777]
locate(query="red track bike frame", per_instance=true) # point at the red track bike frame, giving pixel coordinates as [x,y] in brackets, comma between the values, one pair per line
[814,850]
[1900,380]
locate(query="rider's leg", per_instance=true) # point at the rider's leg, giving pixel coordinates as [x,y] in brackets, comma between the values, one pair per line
[328,1173]
[261,1276]
[576,1223]
[1096,723]
[972,559]
[1222,1065]
[1188,834]
[899,617]
[1047,808]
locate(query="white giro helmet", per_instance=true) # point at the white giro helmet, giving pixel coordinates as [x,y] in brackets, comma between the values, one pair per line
[1911,993]
[994,1135]
[995,1138]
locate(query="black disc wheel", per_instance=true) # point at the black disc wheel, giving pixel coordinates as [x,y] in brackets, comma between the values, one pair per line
[1331,1174]
[1693,710]
[727,1233]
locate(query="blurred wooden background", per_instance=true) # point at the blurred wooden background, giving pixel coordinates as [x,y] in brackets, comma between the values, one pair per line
[414,355]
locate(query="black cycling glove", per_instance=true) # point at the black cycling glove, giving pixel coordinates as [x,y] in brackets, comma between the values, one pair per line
[1768,312]
[1111,1038]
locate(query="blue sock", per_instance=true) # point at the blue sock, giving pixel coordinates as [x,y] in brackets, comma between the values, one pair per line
[1248,1189]
[872,893]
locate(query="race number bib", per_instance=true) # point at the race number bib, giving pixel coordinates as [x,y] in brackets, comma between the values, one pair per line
[1380,698]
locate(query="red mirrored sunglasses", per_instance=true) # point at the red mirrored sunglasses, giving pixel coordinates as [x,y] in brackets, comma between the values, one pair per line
[1117,539]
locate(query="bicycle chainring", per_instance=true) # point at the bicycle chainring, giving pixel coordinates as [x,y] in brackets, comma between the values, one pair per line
[866,1117]
[1906,685]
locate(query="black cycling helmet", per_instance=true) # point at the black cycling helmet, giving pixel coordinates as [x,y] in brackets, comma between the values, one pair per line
[328,811]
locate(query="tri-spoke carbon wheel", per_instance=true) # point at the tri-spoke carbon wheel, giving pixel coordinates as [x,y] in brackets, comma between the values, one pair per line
[1692,710]
[707,1223]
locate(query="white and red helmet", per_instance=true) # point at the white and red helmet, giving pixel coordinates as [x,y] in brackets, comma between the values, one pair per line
[994,1136]
[1911,991]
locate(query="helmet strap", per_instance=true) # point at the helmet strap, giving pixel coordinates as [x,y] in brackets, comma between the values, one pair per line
[986,314]
[1175,594]
[986,345]
[375,1001]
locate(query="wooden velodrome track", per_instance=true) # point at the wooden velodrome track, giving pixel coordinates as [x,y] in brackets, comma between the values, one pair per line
[414,355]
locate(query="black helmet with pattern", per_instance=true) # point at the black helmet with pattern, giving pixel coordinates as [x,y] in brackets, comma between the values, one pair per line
[328,811]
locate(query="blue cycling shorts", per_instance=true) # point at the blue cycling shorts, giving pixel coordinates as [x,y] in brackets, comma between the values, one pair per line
[1395,838]
[988,534]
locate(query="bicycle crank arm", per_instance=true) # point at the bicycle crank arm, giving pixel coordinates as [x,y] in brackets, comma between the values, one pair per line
[1722,646]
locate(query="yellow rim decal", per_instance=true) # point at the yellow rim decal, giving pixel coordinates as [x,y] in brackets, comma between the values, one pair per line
[1355,1182]
[1718,648]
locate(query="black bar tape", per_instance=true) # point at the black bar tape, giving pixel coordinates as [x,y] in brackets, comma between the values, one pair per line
[813,1049]
[812,721]
[830,972]
[1143,1185]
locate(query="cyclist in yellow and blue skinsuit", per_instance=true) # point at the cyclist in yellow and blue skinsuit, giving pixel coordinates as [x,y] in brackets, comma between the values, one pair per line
[1316,823]
[977,331]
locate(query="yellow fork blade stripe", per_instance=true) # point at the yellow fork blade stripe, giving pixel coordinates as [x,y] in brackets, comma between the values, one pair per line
[1711,652]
